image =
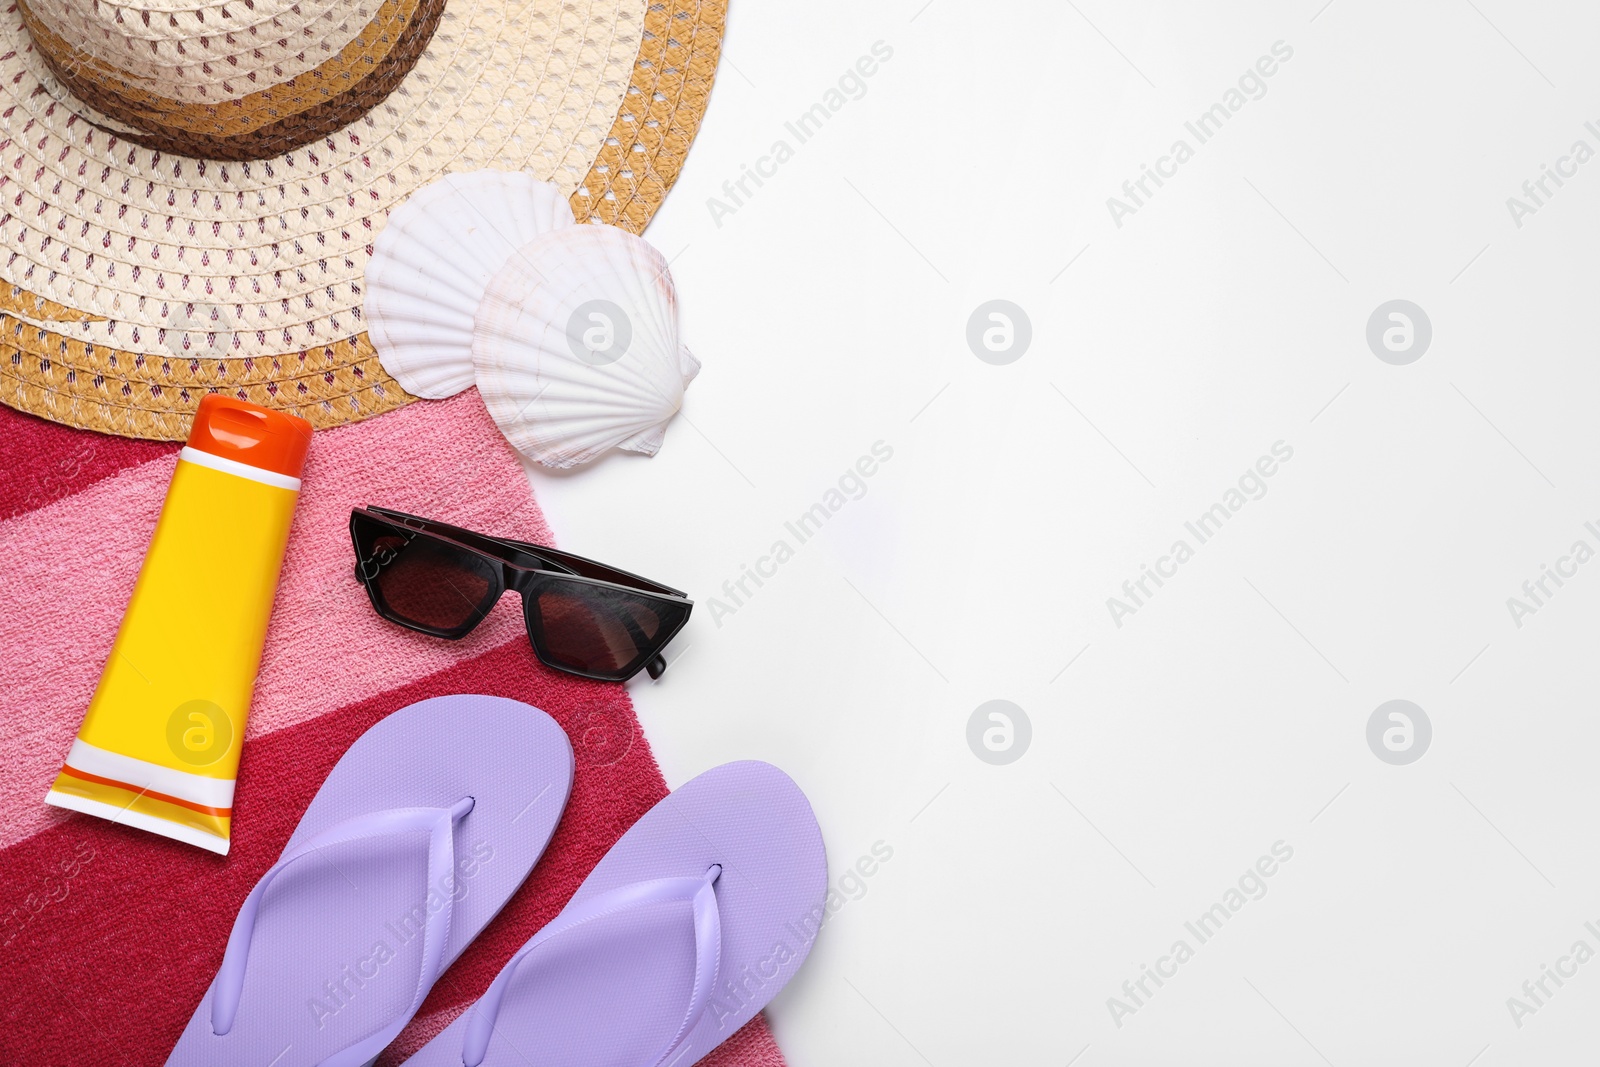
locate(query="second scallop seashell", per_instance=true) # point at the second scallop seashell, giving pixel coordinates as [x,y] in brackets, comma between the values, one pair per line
[576,346]
[431,264]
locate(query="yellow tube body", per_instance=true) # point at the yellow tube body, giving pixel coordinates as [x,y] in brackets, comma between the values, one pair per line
[159,745]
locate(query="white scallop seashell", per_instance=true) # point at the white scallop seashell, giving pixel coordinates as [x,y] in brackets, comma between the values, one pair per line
[432,261]
[576,346]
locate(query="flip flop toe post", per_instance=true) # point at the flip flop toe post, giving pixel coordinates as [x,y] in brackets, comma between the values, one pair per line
[419,835]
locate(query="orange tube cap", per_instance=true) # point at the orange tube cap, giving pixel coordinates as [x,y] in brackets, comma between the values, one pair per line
[248,433]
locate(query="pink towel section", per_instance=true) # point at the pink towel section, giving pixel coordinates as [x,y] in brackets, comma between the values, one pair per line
[326,647]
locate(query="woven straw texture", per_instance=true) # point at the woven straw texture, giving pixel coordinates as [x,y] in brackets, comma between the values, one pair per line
[134,280]
[291,111]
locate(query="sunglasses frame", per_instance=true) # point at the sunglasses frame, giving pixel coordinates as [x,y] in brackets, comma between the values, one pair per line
[526,569]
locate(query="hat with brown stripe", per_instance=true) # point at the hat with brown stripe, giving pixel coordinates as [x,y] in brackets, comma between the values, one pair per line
[189,189]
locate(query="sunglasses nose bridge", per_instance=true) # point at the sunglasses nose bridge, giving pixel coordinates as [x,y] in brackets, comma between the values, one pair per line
[518,580]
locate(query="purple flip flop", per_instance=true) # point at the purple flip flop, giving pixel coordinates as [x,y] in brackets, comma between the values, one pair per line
[421,833]
[692,922]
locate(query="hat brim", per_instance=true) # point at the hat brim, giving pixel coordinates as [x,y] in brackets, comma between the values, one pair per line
[59,357]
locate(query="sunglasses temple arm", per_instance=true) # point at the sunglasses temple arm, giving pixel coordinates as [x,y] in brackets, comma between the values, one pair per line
[657,666]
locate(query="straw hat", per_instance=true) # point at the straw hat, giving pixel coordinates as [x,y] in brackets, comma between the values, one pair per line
[189,189]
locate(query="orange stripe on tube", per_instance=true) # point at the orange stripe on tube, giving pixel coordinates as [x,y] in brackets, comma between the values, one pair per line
[221,813]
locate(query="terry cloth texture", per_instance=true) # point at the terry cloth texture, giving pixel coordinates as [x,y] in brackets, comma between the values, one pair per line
[108,935]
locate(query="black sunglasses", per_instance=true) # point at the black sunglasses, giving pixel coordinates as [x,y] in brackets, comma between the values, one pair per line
[583,617]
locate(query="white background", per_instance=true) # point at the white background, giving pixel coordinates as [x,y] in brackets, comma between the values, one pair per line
[1229,313]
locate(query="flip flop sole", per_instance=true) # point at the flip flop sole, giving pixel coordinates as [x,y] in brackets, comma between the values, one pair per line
[613,993]
[337,946]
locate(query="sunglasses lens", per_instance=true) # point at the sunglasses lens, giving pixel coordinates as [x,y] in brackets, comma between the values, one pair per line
[600,631]
[421,581]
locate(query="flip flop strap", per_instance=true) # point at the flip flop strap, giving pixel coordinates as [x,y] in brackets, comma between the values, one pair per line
[701,895]
[439,823]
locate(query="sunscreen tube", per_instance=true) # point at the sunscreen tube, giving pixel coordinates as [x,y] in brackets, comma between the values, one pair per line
[159,745]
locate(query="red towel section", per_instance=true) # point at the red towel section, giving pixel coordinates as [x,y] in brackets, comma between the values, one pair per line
[109,936]
[42,462]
